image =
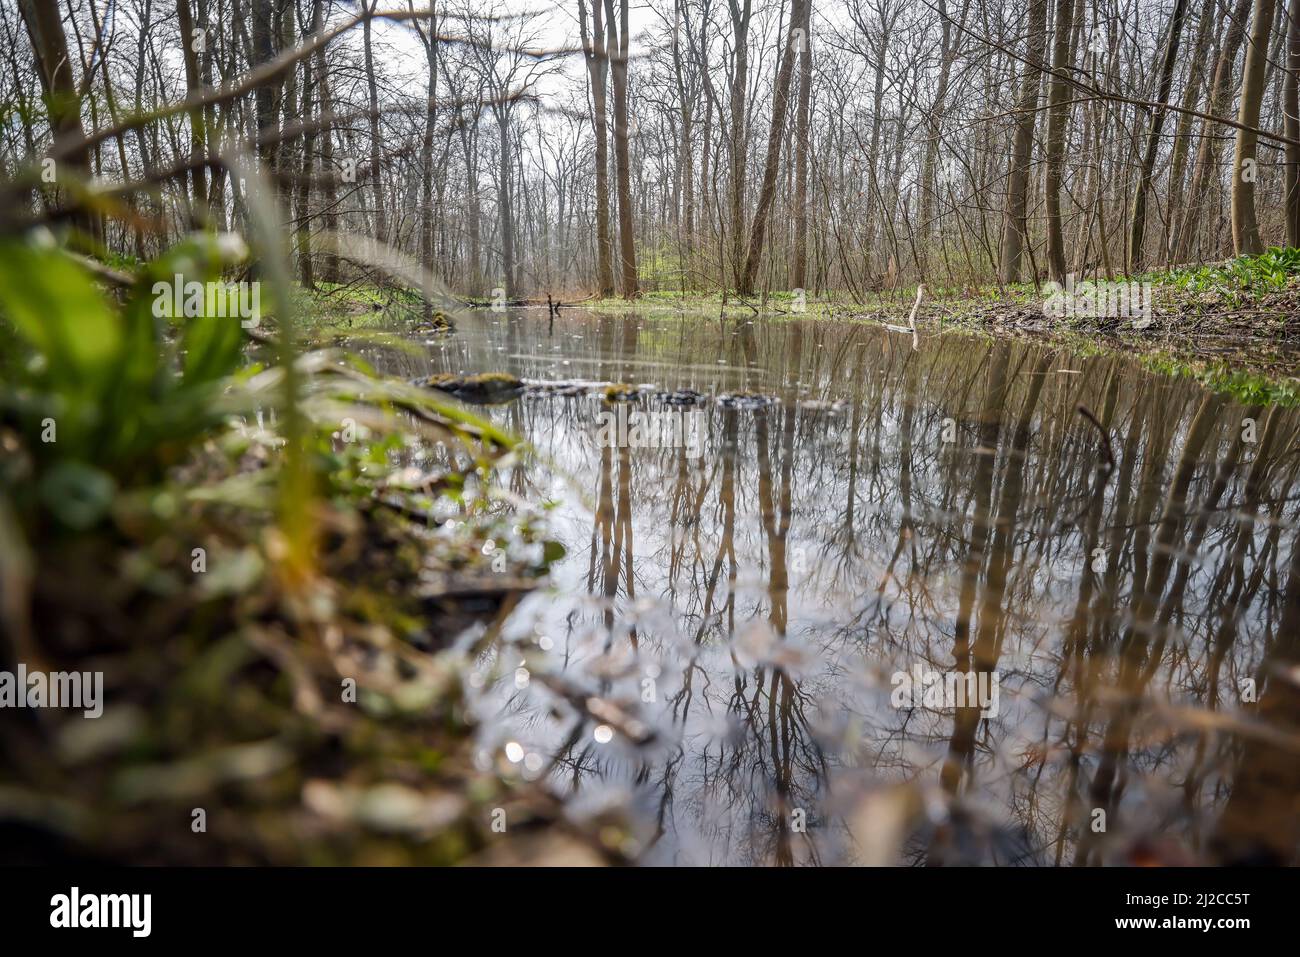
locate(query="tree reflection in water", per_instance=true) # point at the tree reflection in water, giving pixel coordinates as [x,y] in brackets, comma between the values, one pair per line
[749,607]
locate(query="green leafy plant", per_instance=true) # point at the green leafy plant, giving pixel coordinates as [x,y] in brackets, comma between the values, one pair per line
[101,394]
[1270,271]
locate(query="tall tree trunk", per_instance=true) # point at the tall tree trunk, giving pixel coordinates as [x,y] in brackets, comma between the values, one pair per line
[873,149]
[141,140]
[1138,224]
[1245,229]
[799,278]
[506,204]
[475,214]
[310,85]
[427,226]
[1013,227]
[198,136]
[618,73]
[948,47]
[1207,152]
[473,210]
[376,173]
[686,164]
[213,121]
[740,14]
[62,100]
[290,107]
[266,97]
[1057,118]
[1291,124]
[110,100]
[330,267]
[1183,132]
[596,57]
[772,160]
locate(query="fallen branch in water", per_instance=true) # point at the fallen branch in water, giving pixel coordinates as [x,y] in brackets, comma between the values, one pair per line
[1084,411]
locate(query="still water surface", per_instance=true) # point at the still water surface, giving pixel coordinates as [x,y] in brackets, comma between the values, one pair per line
[719,656]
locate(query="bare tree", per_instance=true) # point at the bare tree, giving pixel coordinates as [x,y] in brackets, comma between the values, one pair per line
[740,17]
[593,51]
[799,275]
[1291,124]
[617,40]
[1013,229]
[376,153]
[1208,151]
[796,36]
[62,98]
[1245,228]
[1139,220]
[1056,128]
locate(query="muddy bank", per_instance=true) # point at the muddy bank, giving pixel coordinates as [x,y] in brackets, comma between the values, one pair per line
[1249,348]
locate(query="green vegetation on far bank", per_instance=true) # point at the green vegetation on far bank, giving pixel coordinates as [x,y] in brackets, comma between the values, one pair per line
[1234,326]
